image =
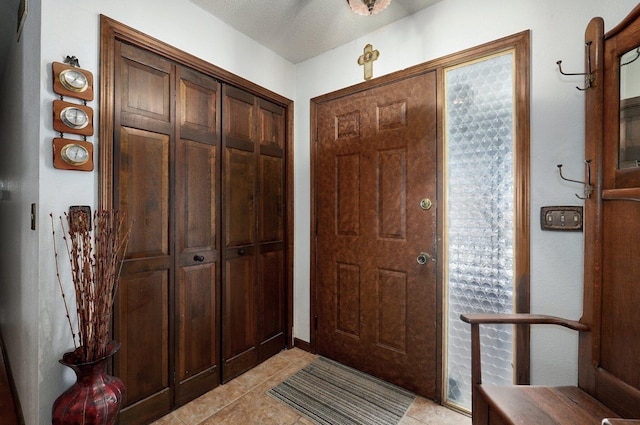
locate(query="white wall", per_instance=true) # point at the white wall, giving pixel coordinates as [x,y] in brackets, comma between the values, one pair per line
[30,304]
[31,309]
[19,150]
[557,136]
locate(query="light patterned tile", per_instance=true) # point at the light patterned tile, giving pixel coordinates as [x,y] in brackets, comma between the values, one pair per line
[208,404]
[170,419]
[256,376]
[255,408]
[408,420]
[430,413]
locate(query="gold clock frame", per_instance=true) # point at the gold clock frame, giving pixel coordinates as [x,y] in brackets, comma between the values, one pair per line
[58,68]
[58,161]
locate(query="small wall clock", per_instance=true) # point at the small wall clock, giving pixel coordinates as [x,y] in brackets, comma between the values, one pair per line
[72,118]
[72,81]
[71,154]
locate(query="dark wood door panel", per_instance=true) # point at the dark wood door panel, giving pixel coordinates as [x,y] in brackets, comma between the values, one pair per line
[197,196]
[196,235]
[271,305]
[199,107]
[271,214]
[271,129]
[376,161]
[239,198]
[143,186]
[239,314]
[197,356]
[143,362]
[144,82]
[239,119]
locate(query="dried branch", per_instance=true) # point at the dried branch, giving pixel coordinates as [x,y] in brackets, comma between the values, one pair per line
[95,260]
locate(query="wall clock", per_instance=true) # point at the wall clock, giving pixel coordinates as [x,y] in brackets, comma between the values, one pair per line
[72,118]
[71,154]
[72,81]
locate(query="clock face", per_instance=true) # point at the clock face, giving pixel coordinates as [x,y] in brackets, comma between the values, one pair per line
[74,154]
[74,80]
[74,117]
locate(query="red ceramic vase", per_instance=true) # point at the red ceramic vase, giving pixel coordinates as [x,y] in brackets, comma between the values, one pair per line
[96,396]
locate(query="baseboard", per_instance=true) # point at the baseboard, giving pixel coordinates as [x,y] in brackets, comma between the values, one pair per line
[303,345]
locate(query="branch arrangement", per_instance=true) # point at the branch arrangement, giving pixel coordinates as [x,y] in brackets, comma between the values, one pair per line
[95,258]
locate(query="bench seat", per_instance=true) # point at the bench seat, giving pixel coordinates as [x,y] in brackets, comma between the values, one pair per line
[535,405]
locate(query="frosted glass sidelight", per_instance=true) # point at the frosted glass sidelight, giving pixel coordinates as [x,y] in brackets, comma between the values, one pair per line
[479,191]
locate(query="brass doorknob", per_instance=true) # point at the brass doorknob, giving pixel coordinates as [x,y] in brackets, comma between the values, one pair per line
[426,204]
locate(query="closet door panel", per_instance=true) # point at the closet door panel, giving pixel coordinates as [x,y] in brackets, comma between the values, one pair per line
[271,221]
[239,199]
[197,193]
[141,321]
[146,296]
[240,320]
[271,288]
[271,218]
[239,275]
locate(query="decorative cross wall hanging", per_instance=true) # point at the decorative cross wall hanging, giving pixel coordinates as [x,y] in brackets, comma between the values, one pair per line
[367,59]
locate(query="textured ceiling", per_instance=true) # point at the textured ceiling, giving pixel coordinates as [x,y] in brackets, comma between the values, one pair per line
[301,29]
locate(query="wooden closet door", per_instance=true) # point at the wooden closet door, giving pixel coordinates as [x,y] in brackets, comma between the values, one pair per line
[271,220]
[167,181]
[197,240]
[253,254]
[143,143]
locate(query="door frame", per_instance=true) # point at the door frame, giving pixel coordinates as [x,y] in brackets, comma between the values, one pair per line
[520,43]
[111,32]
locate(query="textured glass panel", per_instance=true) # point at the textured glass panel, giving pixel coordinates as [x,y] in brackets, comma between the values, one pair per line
[480,213]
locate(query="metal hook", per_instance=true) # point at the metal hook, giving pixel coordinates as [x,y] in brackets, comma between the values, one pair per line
[634,59]
[72,60]
[588,189]
[588,76]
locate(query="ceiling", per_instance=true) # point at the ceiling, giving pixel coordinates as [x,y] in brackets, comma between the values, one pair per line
[294,29]
[301,29]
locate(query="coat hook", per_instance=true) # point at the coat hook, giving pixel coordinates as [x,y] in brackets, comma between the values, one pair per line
[588,189]
[630,61]
[588,76]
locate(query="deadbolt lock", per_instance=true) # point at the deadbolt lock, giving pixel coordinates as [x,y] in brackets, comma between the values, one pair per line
[423,258]
[426,204]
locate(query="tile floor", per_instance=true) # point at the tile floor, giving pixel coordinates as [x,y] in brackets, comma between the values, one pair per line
[244,401]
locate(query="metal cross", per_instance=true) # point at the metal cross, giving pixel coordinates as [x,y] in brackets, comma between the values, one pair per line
[367,59]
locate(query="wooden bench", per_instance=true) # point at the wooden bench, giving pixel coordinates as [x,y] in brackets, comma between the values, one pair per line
[608,389]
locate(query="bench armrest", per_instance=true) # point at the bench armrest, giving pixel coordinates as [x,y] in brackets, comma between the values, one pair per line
[516,319]
[523,319]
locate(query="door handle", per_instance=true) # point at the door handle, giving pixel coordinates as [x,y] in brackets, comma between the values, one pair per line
[198,258]
[423,258]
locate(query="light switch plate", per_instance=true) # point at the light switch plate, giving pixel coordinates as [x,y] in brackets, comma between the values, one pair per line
[567,218]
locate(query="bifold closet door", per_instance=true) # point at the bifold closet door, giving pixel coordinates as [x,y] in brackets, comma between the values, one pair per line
[253,254]
[197,201]
[166,180]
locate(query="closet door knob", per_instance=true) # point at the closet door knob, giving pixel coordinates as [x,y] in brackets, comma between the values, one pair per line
[198,258]
[241,251]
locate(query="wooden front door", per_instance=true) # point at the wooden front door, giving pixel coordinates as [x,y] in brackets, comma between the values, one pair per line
[376,163]
[166,171]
